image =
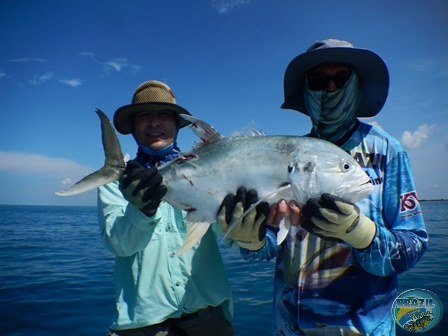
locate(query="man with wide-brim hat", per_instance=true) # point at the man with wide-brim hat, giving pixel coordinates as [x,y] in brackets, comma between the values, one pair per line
[156,292]
[149,96]
[343,277]
[370,68]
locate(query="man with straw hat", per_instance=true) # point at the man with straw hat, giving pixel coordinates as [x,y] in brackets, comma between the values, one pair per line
[157,294]
[336,274]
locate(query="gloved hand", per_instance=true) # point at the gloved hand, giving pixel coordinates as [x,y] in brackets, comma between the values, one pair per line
[250,231]
[142,187]
[333,219]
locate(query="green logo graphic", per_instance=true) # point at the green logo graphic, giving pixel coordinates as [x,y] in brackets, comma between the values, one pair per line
[417,310]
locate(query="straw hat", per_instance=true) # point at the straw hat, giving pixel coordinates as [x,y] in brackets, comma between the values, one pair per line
[149,96]
[371,69]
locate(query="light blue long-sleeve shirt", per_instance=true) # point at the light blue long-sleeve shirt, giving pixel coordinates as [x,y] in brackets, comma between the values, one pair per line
[151,284]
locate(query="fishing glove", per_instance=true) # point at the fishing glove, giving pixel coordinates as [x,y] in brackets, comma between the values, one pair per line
[142,187]
[250,231]
[333,219]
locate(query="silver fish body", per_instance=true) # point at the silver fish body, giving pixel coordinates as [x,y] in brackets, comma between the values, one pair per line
[198,180]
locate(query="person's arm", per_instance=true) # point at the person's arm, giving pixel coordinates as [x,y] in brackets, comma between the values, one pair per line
[269,251]
[401,239]
[124,228]
[128,209]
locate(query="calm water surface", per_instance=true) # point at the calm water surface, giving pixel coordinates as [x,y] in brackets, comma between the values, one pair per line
[56,278]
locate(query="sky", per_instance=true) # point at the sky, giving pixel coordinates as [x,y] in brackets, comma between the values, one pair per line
[223,59]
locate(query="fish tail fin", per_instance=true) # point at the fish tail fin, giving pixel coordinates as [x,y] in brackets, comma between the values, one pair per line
[113,165]
[194,234]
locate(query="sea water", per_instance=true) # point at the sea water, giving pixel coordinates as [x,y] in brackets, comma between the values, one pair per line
[56,278]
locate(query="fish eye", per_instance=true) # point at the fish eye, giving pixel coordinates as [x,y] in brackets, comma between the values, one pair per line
[345,166]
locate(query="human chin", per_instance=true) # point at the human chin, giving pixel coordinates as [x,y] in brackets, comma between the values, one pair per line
[159,143]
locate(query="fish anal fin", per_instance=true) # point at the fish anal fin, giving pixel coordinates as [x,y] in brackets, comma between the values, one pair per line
[195,232]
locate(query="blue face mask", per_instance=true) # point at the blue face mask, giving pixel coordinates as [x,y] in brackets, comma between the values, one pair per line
[332,114]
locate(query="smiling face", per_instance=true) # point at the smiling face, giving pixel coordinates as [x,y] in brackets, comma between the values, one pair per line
[155,129]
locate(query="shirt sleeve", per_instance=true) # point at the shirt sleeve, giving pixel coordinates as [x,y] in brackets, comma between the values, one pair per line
[267,252]
[401,237]
[124,228]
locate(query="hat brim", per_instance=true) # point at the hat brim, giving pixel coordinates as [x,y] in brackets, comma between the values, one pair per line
[371,69]
[123,117]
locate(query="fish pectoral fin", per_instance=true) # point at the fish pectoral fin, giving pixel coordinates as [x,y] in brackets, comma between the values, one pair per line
[195,232]
[203,130]
[92,181]
[284,226]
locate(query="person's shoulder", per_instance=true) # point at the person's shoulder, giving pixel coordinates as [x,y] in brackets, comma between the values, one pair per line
[380,135]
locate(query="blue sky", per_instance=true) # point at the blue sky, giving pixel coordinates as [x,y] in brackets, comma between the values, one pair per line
[225,62]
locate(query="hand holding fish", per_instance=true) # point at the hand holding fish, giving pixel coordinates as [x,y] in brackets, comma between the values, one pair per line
[330,217]
[142,187]
[281,209]
[249,231]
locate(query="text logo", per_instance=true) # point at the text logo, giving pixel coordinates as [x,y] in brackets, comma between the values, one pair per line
[409,201]
[417,310]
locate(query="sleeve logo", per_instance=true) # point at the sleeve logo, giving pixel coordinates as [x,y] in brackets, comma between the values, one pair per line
[408,201]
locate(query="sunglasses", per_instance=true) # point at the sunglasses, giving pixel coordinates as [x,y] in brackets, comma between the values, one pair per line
[319,81]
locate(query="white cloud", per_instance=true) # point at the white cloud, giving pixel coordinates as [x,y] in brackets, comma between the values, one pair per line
[40,79]
[119,64]
[415,140]
[114,64]
[67,182]
[75,82]
[2,73]
[34,164]
[375,123]
[225,6]
[27,60]
[422,65]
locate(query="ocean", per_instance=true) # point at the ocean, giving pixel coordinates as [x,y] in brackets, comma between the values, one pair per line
[56,278]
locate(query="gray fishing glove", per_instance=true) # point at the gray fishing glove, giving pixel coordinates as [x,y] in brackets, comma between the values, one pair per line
[250,231]
[333,219]
[142,187]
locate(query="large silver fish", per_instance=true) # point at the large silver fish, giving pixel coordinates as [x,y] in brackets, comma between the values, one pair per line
[290,167]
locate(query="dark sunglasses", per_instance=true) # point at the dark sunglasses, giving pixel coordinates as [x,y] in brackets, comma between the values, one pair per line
[319,82]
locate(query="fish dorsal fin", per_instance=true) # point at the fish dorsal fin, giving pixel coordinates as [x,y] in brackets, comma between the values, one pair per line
[195,232]
[279,190]
[204,131]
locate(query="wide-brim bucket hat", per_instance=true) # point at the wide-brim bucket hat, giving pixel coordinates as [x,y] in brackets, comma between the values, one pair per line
[149,96]
[371,69]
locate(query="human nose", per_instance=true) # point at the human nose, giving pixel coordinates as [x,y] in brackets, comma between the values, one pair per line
[153,120]
[331,86]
